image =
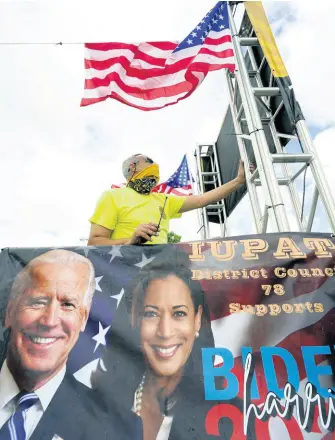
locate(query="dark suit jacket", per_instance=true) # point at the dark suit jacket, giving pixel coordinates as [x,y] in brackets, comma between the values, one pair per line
[75,413]
[189,422]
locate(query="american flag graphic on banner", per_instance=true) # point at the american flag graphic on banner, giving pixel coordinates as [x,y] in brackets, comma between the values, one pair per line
[152,75]
[298,311]
[179,183]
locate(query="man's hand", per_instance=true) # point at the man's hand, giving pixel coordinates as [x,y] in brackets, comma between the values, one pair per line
[143,233]
[217,194]
[241,172]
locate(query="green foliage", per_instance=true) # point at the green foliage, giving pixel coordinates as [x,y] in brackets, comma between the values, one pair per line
[173,237]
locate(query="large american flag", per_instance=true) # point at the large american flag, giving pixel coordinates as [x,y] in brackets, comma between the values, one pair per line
[152,75]
[179,183]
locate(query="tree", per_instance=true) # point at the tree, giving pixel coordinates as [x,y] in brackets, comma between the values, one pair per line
[173,237]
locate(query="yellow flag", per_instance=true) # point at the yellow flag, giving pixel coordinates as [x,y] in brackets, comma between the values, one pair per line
[265,37]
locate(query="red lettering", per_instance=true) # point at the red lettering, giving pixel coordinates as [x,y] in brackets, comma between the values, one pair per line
[262,429]
[225,410]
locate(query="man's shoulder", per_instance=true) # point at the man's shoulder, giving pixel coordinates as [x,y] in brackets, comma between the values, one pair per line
[120,192]
[113,195]
[96,414]
[77,412]
[77,391]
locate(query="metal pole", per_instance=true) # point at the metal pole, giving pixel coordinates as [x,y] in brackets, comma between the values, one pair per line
[264,159]
[275,135]
[313,209]
[319,176]
[244,157]
[223,228]
[200,229]
[205,225]
[253,140]
[265,220]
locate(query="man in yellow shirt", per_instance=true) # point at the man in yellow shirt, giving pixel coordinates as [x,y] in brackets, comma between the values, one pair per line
[130,215]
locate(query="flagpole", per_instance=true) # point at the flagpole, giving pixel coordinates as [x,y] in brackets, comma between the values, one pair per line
[201,227]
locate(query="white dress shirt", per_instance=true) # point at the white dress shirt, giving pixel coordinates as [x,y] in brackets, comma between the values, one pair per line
[164,430]
[8,399]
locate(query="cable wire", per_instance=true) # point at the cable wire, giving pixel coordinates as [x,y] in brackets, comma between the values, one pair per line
[45,43]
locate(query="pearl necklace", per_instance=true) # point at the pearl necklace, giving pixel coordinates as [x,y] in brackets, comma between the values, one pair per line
[138,396]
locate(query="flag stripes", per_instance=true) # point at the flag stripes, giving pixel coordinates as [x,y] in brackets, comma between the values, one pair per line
[152,75]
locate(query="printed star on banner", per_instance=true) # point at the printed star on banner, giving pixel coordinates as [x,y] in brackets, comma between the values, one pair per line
[115,252]
[100,338]
[144,261]
[118,297]
[102,365]
[97,281]
[84,375]
[85,249]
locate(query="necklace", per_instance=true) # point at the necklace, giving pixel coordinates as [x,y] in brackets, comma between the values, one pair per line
[168,403]
[138,396]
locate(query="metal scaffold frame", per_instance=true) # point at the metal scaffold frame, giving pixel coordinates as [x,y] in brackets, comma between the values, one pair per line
[210,179]
[245,113]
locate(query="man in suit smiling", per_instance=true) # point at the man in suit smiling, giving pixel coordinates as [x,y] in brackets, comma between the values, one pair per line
[48,306]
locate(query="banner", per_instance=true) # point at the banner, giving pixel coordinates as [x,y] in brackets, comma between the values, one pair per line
[220,339]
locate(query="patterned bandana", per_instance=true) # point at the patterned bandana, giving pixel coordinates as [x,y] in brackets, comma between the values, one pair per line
[144,181]
[143,186]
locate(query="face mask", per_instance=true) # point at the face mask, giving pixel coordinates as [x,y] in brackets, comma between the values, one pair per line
[144,181]
[143,186]
[151,171]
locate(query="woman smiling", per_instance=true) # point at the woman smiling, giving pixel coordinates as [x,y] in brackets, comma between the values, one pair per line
[155,359]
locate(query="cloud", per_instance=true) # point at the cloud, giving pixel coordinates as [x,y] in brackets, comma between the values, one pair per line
[307,53]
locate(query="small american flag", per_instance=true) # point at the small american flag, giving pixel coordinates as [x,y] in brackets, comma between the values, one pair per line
[152,75]
[179,183]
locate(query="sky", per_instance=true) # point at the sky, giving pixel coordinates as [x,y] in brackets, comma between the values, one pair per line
[57,158]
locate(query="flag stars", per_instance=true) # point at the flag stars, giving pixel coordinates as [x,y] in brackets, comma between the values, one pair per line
[144,261]
[220,16]
[222,26]
[189,41]
[198,28]
[85,249]
[118,297]
[194,34]
[100,337]
[97,281]
[115,252]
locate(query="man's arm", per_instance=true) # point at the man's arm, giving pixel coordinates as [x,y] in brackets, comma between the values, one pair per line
[217,194]
[100,236]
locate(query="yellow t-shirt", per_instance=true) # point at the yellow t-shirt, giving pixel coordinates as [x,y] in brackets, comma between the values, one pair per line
[122,210]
